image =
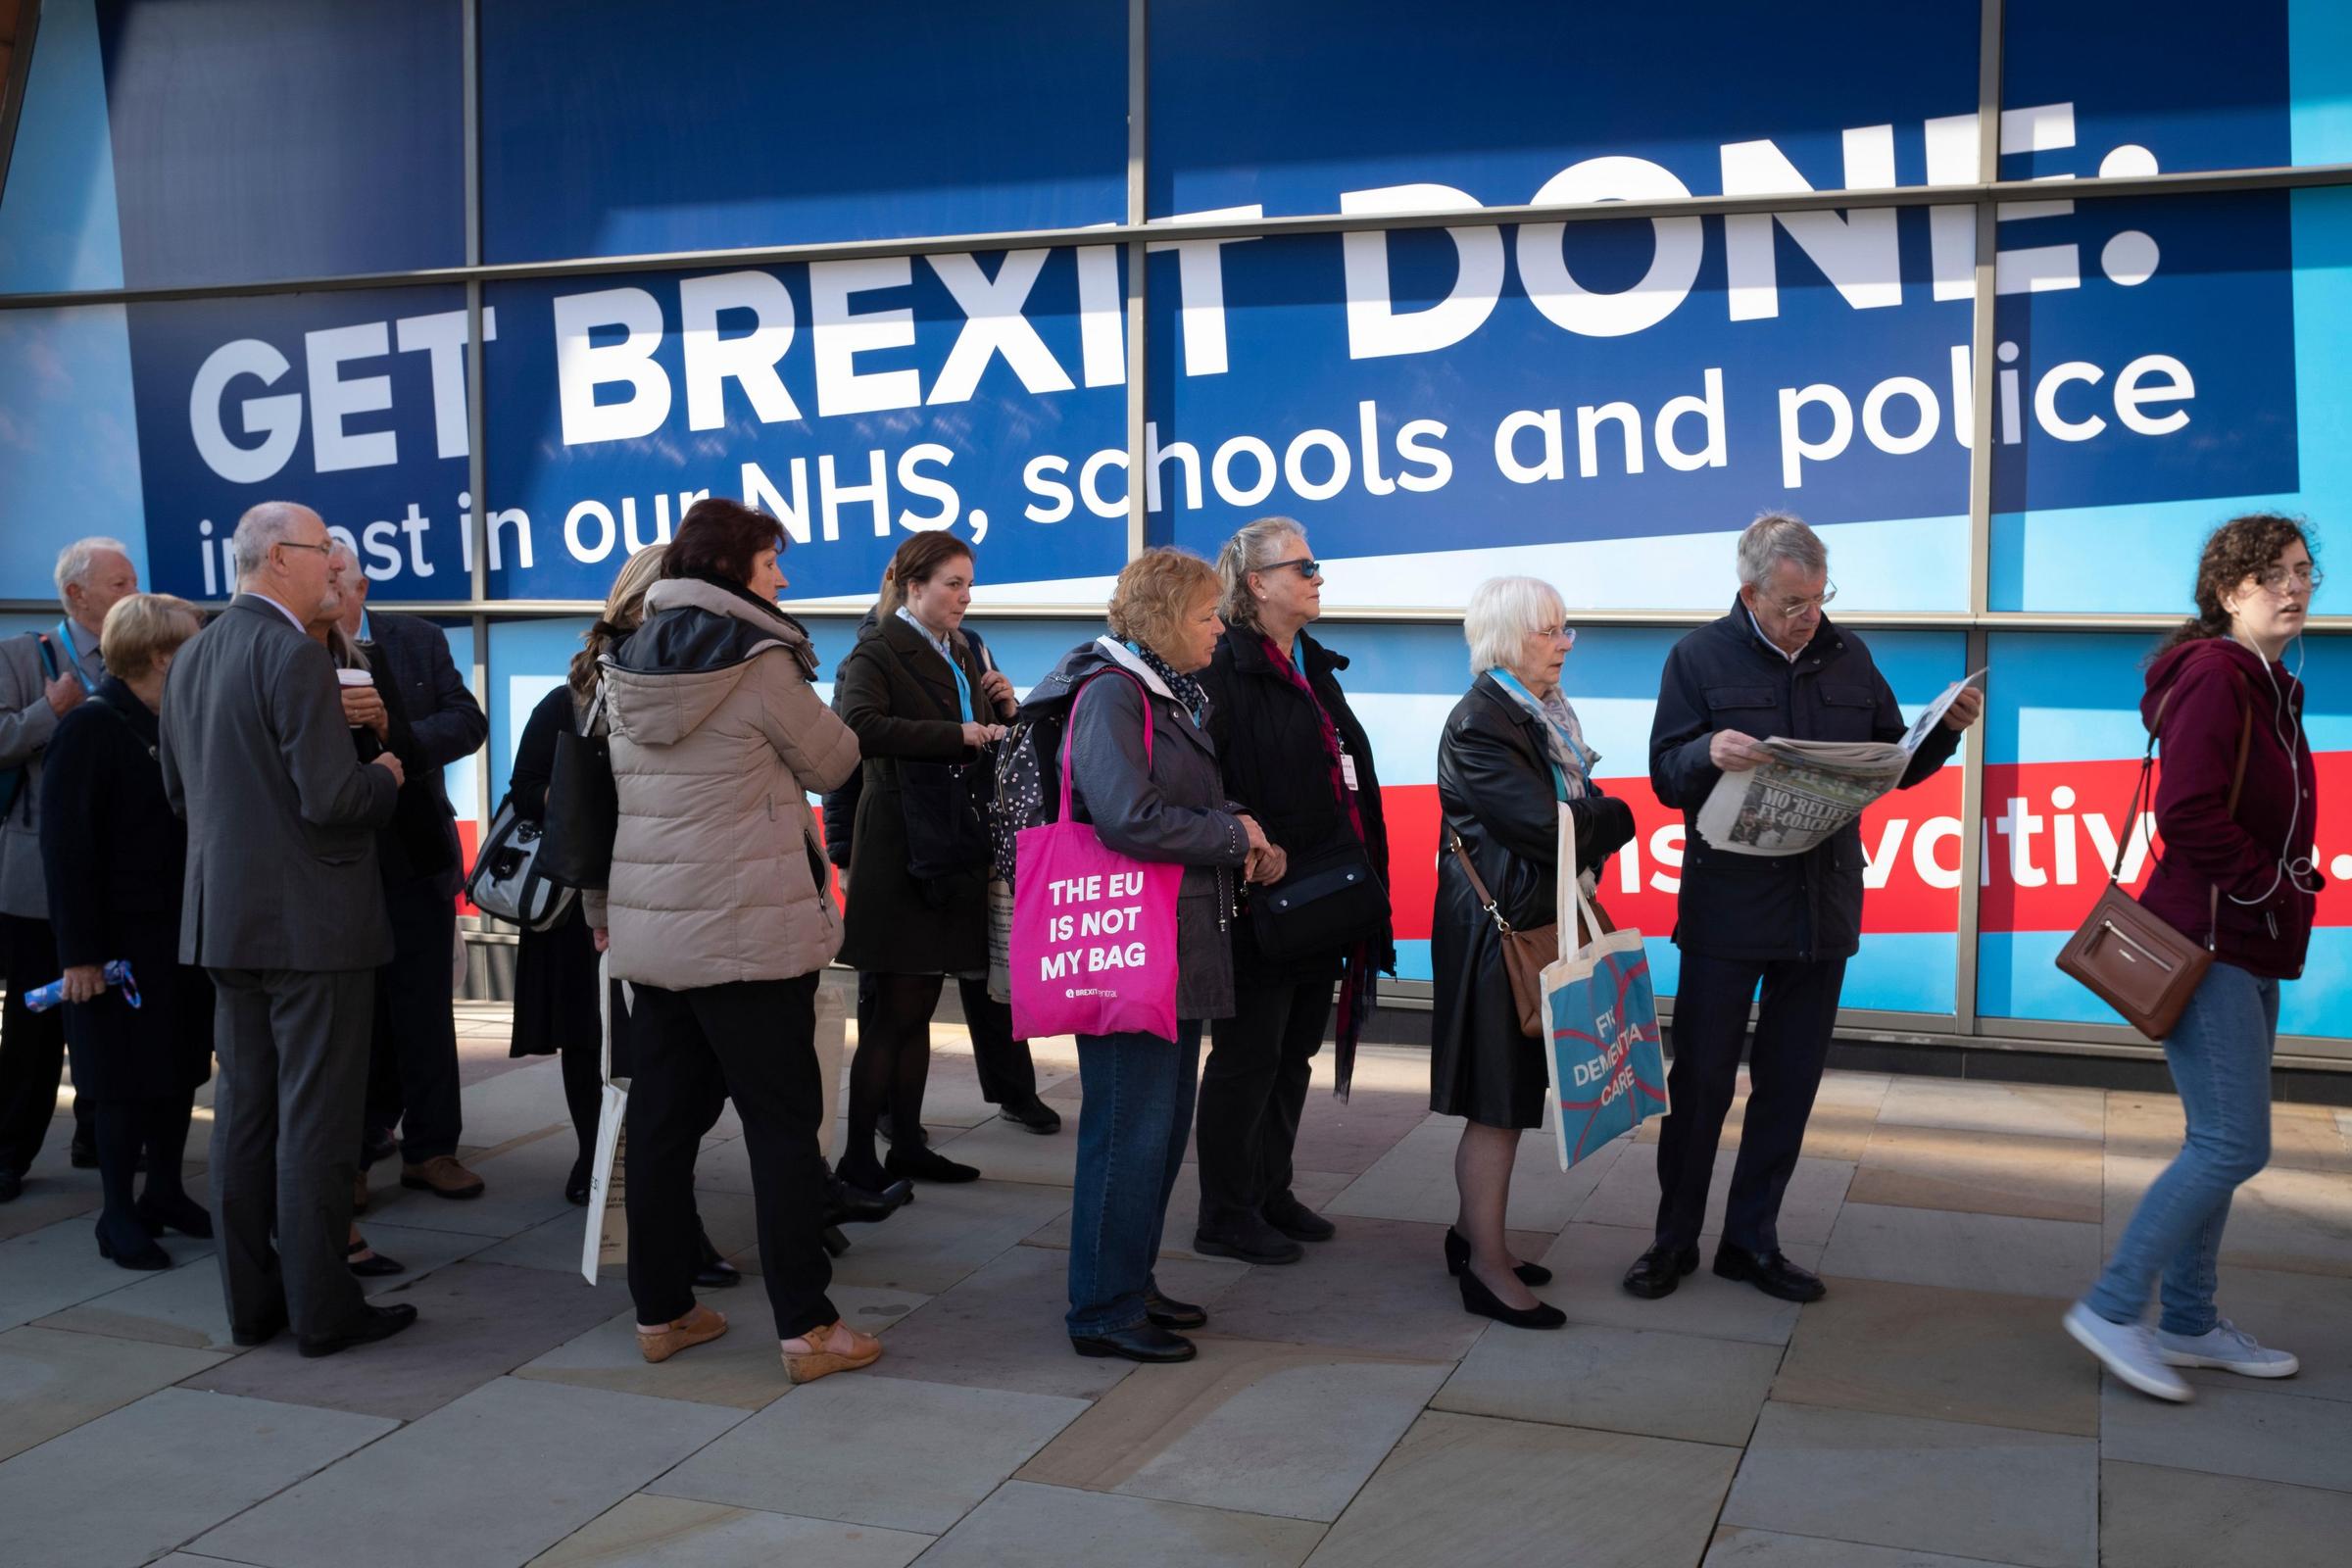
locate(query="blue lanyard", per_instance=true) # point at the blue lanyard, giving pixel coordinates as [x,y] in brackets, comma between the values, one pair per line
[65,634]
[1298,656]
[964,687]
[1583,758]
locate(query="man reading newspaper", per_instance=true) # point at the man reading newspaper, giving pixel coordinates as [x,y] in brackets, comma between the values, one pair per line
[1783,717]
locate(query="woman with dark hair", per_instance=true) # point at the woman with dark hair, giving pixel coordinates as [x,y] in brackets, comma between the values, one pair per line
[116,854]
[1294,754]
[720,913]
[2236,804]
[923,705]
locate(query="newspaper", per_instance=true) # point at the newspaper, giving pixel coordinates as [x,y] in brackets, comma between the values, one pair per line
[1811,789]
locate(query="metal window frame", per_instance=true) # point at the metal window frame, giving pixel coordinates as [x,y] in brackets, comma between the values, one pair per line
[1966,1024]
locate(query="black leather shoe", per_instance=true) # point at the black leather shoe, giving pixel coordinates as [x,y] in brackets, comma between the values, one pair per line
[83,1154]
[128,1246]
[1770,1272]
[1297,1221]
[177,1212]
[1169,1313]
[375,1323]
[1458,1258]
[1036,1115]
[12,1186]
[1659,1270]
[923,1163]
[1483,1302]
[847,1203]
[247,1338]
[375,1267]
[1249,1239]
[1146,1342]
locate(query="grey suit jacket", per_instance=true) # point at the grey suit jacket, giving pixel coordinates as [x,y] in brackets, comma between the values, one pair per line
[449,724]
[26,722]
[281,813]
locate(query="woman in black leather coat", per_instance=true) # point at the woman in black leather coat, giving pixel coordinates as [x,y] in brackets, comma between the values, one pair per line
[1511,751]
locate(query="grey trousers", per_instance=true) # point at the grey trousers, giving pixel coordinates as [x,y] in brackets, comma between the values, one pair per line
[293,1050]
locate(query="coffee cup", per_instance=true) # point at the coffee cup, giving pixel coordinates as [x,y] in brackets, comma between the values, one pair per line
[349,678]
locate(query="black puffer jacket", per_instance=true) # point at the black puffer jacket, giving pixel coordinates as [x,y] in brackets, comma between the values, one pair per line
[1173,808]
[1724,676]
[1494,791]
[1270,745]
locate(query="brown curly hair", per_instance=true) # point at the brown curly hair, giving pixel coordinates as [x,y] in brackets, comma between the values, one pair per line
[1154,594]
[2242,548]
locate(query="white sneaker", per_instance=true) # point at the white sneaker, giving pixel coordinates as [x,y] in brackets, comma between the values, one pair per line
[2128,1351]
[2227,1347]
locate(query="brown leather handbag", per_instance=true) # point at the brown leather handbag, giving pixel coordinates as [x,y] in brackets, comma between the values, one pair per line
[2135,961]
[1524,952]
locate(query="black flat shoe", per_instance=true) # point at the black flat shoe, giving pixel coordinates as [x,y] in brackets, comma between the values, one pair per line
[1036,1115]
[847,1203]
[177,1212]
[136,1251]
[248,1338]
[1479,1301]
[375,1323]
[1169,1313]
[372,1267]
[1770,1272]
[82,1154]
[1251,1239]
[1297,1221]
[835,1242]
[922,1164]
[1146,1342]
[1659,1270]
[12,1186]
[1458,1258]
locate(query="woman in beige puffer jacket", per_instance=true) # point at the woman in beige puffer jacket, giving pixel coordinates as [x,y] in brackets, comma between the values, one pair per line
[720,913]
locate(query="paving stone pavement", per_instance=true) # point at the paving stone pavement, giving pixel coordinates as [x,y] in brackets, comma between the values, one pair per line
[1344,1412]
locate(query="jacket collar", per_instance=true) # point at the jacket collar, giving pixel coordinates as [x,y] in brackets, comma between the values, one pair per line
[1738,625]
[916,652]
[1118,654]
[1247,648]
[1505,706]
[674,593]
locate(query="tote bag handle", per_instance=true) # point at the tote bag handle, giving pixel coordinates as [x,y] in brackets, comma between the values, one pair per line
[1069,732]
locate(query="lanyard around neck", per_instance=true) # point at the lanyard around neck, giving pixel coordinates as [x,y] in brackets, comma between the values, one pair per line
[65,634]
[945,650]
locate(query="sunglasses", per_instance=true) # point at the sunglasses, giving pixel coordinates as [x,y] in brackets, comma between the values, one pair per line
[1306,566]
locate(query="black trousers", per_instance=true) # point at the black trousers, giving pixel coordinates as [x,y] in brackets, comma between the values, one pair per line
[1791,1043]
[1008,1074]
[755,1042]
[1253,1091]
[413,1075]
[32,1045]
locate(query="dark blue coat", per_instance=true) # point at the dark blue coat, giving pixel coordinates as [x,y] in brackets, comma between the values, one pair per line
[1725,676]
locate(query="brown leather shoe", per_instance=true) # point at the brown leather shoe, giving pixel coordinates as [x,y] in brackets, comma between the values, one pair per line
[443,1177]
[359,1193]
[821,1360]
[695,1328]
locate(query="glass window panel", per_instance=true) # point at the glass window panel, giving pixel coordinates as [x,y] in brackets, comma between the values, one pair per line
[611,131]
[69,443]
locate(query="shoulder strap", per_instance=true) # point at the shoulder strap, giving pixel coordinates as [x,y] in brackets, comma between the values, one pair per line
[1478,885]
[1069,731]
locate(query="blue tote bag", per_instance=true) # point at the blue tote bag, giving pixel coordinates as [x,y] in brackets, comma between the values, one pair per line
[1606,1053]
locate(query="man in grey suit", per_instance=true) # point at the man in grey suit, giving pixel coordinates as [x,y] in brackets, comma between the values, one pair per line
[413,1085]
[43,677]
[284,905]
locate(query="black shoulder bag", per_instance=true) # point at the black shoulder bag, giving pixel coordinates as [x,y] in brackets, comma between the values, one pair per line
[583,806]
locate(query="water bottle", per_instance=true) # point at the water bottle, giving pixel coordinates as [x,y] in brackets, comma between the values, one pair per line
[118,976]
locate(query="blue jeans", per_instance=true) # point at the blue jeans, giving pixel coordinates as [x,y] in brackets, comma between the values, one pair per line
[1133,1125]
[2219,1055]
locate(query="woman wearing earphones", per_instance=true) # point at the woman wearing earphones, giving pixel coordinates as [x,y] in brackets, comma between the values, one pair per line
[2228,719]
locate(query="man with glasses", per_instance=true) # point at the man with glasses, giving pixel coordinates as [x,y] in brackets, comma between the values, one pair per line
[1785,925]
[284,907]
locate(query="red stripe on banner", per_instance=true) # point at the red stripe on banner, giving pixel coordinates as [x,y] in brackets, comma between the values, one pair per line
[469,835]
[2050,832]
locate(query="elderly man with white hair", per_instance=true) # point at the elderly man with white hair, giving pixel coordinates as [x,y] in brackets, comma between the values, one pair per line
[44,677]
[1784,925]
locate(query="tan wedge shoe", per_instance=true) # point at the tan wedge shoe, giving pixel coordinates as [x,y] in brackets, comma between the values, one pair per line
[809,1366]
[697,1327]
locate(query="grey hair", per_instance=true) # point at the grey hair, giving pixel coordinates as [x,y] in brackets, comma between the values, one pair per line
[75,562]
[269,523]
[1253,546]
[1504,612]
[339,546]
[1777,536]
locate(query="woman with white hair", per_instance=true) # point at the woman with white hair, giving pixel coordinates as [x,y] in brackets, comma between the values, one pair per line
[1510,752]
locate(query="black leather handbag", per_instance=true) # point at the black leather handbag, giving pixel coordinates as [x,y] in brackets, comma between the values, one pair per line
[1328,903]
[583,808]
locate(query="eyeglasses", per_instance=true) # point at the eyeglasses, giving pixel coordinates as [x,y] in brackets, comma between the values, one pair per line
[1306,566]
[2281,581]
[327,549]
[1566,633]
[1793,607]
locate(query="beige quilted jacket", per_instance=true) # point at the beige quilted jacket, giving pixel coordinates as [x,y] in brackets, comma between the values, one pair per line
[718,870]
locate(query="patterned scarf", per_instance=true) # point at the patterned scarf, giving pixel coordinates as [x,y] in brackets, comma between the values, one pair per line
[1184,688]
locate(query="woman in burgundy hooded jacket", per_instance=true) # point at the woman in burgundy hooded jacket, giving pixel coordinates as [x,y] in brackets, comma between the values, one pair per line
[2243,883]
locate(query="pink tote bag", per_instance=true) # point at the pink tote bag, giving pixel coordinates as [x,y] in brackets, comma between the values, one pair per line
[1094,932]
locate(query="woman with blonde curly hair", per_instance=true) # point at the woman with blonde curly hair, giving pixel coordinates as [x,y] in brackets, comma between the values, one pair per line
[1165,801]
